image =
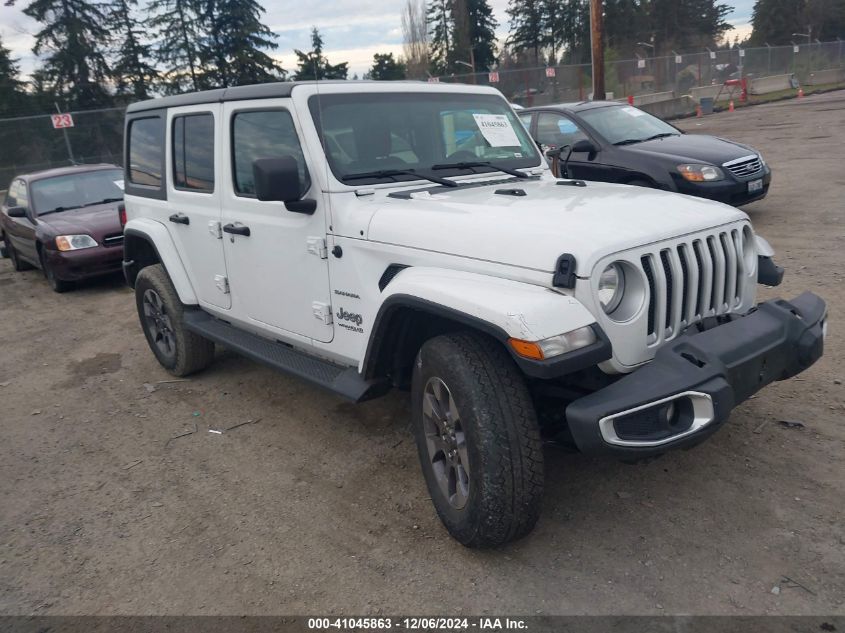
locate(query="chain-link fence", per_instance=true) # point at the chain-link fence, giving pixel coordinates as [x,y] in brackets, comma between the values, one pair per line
[31,143]
[678,74]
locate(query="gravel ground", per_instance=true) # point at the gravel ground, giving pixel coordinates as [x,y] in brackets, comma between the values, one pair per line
[116,498]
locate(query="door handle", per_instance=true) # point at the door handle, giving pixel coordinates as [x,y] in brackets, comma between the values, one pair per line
[236,229]
[180,218]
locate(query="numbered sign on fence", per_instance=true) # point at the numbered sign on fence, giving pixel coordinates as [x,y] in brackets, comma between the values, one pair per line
[494,77]
[434,80]
[550,72]
[679,59]
[741,52]
[61,121]
[712,54]
[640,63]
[795,48]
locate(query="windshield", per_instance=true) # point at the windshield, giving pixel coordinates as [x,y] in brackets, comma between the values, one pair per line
[390,132]
[620,124]
[73,191]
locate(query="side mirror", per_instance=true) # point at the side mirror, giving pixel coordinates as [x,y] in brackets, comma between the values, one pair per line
[584,146]
[16,212]
[277,180]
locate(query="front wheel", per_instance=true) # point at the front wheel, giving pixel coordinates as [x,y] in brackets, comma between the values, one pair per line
[17,263]
[180,351]
[478,439]
[58,285]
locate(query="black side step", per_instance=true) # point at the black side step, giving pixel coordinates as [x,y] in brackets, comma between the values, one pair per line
[344,381]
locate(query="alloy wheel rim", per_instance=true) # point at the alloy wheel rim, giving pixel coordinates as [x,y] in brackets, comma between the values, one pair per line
[159,324]
[446,442]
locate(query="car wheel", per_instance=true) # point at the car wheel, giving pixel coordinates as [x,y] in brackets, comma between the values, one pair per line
[180,351]
[477,438]
[17,263]
[58,285]
[4,251]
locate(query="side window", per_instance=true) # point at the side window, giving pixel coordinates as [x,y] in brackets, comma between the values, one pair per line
[12,194]
[145,151]
[21,196]
[263,134]
[526,120]
[193,152]
[555,130]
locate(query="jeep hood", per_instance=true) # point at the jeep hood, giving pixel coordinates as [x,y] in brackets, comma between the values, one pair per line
[534,229]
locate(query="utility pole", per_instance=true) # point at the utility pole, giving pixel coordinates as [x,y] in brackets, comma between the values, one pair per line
[597,43]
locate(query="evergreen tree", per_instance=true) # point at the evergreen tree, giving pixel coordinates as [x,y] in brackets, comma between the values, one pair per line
[686,24]
[386,68]
[774,21]
[441,26]
[314,65]
[625,24]
[73,39]
[527,18]
[234,53]
[132,71]
[176,29]
[11,87]
[482,33]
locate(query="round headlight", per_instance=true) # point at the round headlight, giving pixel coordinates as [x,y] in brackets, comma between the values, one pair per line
[611,287]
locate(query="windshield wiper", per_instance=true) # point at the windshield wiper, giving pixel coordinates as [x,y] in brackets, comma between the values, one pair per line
[630,141]
[661,135]
[104,201]
[57,209]
[392,173]
[481,163]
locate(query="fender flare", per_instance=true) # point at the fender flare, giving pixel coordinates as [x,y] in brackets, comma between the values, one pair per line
[501,308]
[157,236]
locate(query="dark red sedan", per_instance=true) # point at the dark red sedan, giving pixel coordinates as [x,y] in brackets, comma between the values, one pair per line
[65,222]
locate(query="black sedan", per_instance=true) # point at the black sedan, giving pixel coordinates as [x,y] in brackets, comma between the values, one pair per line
[613,142]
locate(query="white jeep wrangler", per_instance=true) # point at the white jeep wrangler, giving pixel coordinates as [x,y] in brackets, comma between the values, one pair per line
[364,236]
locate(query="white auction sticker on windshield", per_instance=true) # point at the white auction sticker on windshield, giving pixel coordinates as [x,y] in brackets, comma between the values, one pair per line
[497,130]
[119,184]
[632,111]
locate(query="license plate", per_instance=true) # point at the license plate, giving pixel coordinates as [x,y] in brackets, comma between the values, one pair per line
[755,185]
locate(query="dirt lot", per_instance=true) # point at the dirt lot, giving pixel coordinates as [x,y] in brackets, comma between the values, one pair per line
[318,506]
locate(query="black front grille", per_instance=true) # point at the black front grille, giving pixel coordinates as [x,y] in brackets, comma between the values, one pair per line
[652,305]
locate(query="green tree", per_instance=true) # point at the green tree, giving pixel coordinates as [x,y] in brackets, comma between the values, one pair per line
[72,39]
[626,23]
[441,26]
[686,24]
[11,87]
[132,70]
[528,22]
[234,54]
[314,65]
[774,21]
[180,46]
[386,68]
[482,33]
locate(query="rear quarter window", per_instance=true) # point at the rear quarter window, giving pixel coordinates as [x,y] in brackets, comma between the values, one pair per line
[144,154]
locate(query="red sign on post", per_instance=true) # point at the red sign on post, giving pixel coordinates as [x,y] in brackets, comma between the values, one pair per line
[61,121]
[494,77]
[550,72]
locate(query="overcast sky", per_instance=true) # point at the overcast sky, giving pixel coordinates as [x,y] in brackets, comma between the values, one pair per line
[352,29]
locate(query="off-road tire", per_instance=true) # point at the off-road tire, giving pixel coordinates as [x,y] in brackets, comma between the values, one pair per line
[502,438]
[17,263]
[58,285]
[190,351]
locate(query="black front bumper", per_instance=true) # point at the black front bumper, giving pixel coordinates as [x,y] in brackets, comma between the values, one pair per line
[703,373]
[730,190]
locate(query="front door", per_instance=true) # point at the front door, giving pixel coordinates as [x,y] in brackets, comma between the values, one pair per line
[276,262]
[21,231]
[556,131]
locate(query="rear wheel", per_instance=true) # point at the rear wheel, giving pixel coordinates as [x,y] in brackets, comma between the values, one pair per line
[477,438]
[179,350]
[17,263]
[58,285]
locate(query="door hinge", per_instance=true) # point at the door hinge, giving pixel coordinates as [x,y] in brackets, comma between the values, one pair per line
[222,283]
[322,311]
[317,246]
[216,230]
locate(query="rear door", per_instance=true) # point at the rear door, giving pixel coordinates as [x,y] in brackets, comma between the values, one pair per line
[193,195]
[278,271]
